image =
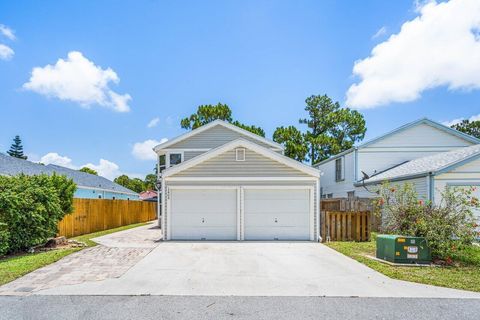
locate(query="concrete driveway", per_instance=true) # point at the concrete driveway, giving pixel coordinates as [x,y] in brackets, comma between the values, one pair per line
[234,269]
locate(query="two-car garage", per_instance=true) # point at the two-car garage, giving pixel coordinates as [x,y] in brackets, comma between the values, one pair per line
[241,212]
[259,195]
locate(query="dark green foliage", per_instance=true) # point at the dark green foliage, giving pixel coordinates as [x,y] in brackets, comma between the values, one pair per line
[469,127]
[330,130]
[150,182]
[4,238]
[16,149]
[253,129]
[293,141]
[134,184]
[208,113]
[89,170]
[31,207]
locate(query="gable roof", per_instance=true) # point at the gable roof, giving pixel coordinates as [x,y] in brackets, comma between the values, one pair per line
[434,164]
[426,121]
[11,166]
[246,144]
[212,124]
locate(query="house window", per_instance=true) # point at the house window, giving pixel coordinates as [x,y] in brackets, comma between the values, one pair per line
[175,158]
[161,163]
[240,154]
[351,194]
[339,170]
[330,195]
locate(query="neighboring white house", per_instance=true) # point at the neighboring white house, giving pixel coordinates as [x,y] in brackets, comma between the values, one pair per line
[424,153]
[220,182]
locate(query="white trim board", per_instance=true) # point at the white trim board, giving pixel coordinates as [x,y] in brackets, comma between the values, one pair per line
[248,145]
[223,179]
[211,125]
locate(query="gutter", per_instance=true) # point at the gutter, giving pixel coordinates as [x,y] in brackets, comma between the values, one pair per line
[400,178]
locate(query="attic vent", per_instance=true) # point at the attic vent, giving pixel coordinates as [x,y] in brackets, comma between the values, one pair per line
[240,154]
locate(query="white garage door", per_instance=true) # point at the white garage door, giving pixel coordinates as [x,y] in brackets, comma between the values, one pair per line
[199,214]
[277,214]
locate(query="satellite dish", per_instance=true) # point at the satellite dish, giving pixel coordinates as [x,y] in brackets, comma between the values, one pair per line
[365,176]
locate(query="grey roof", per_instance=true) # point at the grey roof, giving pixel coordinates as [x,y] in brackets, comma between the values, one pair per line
[12,166]
[425,165]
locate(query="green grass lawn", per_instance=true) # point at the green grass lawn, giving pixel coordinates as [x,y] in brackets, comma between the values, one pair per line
[464,275]
[13,267]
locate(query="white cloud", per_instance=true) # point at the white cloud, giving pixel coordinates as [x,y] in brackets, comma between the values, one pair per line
[458,120]
[144,150]
[7,32]
[6,53]
[55,158]
[153,123]
[105,168]
[79,80]
[382,31]
[440,47]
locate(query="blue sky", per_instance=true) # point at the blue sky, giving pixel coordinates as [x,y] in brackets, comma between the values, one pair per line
[262,58]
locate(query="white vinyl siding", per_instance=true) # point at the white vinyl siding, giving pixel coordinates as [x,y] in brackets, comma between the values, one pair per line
[412,143]
[420,185]
[421,135]
[187,155]
[255,165]
[465,175]
[329,183]
[212,138]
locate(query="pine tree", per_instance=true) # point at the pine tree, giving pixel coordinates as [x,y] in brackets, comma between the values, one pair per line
[16,150]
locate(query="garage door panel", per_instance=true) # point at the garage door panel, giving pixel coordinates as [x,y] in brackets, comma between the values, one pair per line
[203,214]
[277,214]
[290,233]
[204,220]
[266,194]
[279,219]
[209,233]
[277,205]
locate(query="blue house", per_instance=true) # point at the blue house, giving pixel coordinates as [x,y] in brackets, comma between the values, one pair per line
[89,186]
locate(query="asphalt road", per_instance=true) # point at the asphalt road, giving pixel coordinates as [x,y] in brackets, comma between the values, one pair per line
[203,307]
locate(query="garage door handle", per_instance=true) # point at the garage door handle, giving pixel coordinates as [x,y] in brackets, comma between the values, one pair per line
[203,220]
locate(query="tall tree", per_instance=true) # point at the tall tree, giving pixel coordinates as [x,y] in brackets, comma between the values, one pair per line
[89,170]
[150,182]
[134,184]
[293,140]
[208,113]
[16,149]
[469,127]
[330,130]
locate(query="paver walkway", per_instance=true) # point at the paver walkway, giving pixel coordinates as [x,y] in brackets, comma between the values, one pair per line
[115,255]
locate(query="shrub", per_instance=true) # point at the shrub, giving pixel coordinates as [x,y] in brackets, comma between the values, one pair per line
[32,206]
[4,236]
[448,226]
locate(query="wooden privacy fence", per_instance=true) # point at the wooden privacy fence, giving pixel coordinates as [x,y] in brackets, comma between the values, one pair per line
[346,225]
[92,215]
[347,219]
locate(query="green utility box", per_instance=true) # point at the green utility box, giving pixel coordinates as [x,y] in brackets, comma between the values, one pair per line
[400,249]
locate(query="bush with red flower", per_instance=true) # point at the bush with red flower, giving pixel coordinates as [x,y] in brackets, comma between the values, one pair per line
[448,226]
